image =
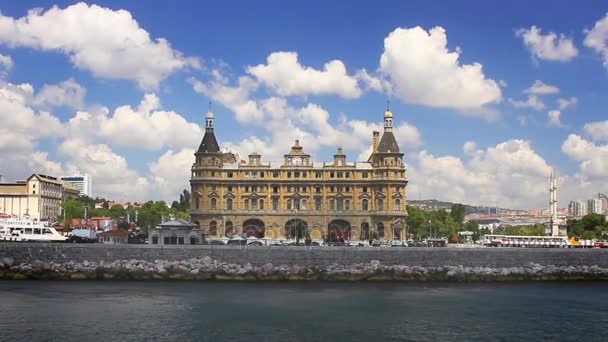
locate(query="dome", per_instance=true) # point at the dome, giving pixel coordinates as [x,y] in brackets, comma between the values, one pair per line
[210,115]
[388,114]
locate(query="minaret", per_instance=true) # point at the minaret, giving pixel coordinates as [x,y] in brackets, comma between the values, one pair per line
[553,204]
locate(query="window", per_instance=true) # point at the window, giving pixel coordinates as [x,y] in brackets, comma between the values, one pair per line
[380,230]
[213,228]
[364,175]
[331,174]
[275,204]
[331,204]
[255,174]
[261,204]
[288,204]
[340,174]
[331,189]
[246,204]
[346,205]
[317,174]
[230,174]
[196,202]
[397,204]
[364,205]
[254,188]
[229,229]
[340,204]
[304,204]
[380,204]
[289,174]
[296,174]
[254,204]
[229,189]
[155,240]
[318,190]
[347,189]
[304,189]
[275,189]
[275,174]
[229,204]
[347,174]
[296,204]
[317,204]
[262,174]
[364,189]
[213,204]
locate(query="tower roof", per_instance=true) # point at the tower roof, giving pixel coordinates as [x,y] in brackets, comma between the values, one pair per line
[388,143]
[209,143]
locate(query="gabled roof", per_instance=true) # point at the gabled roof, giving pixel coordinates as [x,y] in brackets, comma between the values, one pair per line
[209,144]
[177,223]
[388,143]
[115,232]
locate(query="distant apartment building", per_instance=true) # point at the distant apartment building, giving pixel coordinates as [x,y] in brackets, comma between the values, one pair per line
[577,208]
[39,197]
[595,206]
[83,182]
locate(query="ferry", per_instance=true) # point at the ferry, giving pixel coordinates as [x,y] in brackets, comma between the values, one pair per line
[492,240]
[25,229]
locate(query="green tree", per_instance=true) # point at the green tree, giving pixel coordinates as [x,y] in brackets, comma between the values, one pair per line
[457,213]
[117,211]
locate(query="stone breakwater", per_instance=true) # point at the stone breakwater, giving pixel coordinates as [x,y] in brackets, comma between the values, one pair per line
[208,269]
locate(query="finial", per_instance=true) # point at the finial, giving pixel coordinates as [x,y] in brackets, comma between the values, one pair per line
[388,105]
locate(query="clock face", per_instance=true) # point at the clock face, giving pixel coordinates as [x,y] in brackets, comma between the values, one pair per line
[297,161]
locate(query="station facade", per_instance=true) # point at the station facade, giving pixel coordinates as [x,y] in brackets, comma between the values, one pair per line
[298,198]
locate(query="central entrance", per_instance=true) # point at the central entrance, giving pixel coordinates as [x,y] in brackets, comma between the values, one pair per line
[254,227]
[339,231]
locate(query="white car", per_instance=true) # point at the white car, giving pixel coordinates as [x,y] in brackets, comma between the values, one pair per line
[398,243]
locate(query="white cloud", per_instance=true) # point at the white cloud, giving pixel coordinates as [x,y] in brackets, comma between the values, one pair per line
[549,46]
[597,130]
[554,118]
[146,127]
[533,101]
[109,43]
[486,178]
[112,176]
[593,158]
[597,38]
[422,70]
[284,75]
[566,103]
[540,88]
[170,174]
[6,64]
[372,82]
[67,93]
[470,147]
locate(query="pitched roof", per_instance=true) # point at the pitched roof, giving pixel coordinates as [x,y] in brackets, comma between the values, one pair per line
[115,232]
[177,223]
[388,143]
[209,143]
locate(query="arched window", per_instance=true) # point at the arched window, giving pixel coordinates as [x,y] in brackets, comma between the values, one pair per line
[275,204]
[229,204]
[397,204]
[380,204]
[261,204]
[197,202]
[340,204]
[213,204]
[229,229]
[303,204]
[364,205]
[212,228]
[346,205]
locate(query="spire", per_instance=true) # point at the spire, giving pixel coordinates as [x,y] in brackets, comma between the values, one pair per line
[209,119]
[388,118]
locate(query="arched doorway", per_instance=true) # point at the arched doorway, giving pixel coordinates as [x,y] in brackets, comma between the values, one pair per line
[296,229]
[213,228]
[254,227]
[381,230]
[229,229]
[339,231]
[365,232]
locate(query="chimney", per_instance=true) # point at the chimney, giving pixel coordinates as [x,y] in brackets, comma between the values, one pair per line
[375,141]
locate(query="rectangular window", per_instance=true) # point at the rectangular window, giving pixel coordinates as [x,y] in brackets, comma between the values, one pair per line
[364,189]
[364,175]
[255,188]
[289,174]
[318,190]
[296,174]
[262,174]
[255,174]
[347,189]
[275,204]
[347,174]
[275,189]
[331,174]
[275,174]
[331,189]
[229,174]
[317,174]
[254,204]
[340,174]
[229,189]
[317,204]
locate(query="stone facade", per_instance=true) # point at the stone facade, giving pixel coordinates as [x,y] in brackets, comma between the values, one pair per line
[298,197]
[175,232]
[38,197]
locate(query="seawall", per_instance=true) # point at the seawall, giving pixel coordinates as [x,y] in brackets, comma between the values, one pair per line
[96,261]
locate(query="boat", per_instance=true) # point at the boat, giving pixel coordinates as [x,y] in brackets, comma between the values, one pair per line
[25,229]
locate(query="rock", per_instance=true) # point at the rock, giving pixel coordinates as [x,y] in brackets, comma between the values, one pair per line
[374,263]
[8,262]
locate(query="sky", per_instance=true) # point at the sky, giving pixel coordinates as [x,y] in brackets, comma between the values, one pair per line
[488,97]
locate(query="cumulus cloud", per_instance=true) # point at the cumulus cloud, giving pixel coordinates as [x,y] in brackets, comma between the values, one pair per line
[540,88]
[593,158]
[555,118]
[564,103]
[68,93]
[550,46]
[597,38]
[146,127]
[533,102]
[597,130]
[109,43]
[486,177]
[6,64]
[422,70]
[171,172]
[285,76]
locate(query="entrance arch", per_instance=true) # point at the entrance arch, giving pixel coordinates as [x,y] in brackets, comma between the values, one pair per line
[365,235]
[339,230]
[296,229]
[229,229]
[254,227]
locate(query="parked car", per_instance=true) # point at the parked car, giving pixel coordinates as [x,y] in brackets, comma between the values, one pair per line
[398,243]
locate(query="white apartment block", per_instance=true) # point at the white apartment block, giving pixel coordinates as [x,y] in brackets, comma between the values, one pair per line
[83,182]
[596,206]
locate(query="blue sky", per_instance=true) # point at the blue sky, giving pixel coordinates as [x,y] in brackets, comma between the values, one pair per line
[458,77]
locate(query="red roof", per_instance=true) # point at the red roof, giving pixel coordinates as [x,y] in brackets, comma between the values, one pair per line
[115,232]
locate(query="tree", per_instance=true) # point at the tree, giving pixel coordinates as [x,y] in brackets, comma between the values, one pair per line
[457,213]
[117,211]
[473,226]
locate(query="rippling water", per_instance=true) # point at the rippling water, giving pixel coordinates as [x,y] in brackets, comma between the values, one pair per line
[178,311]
